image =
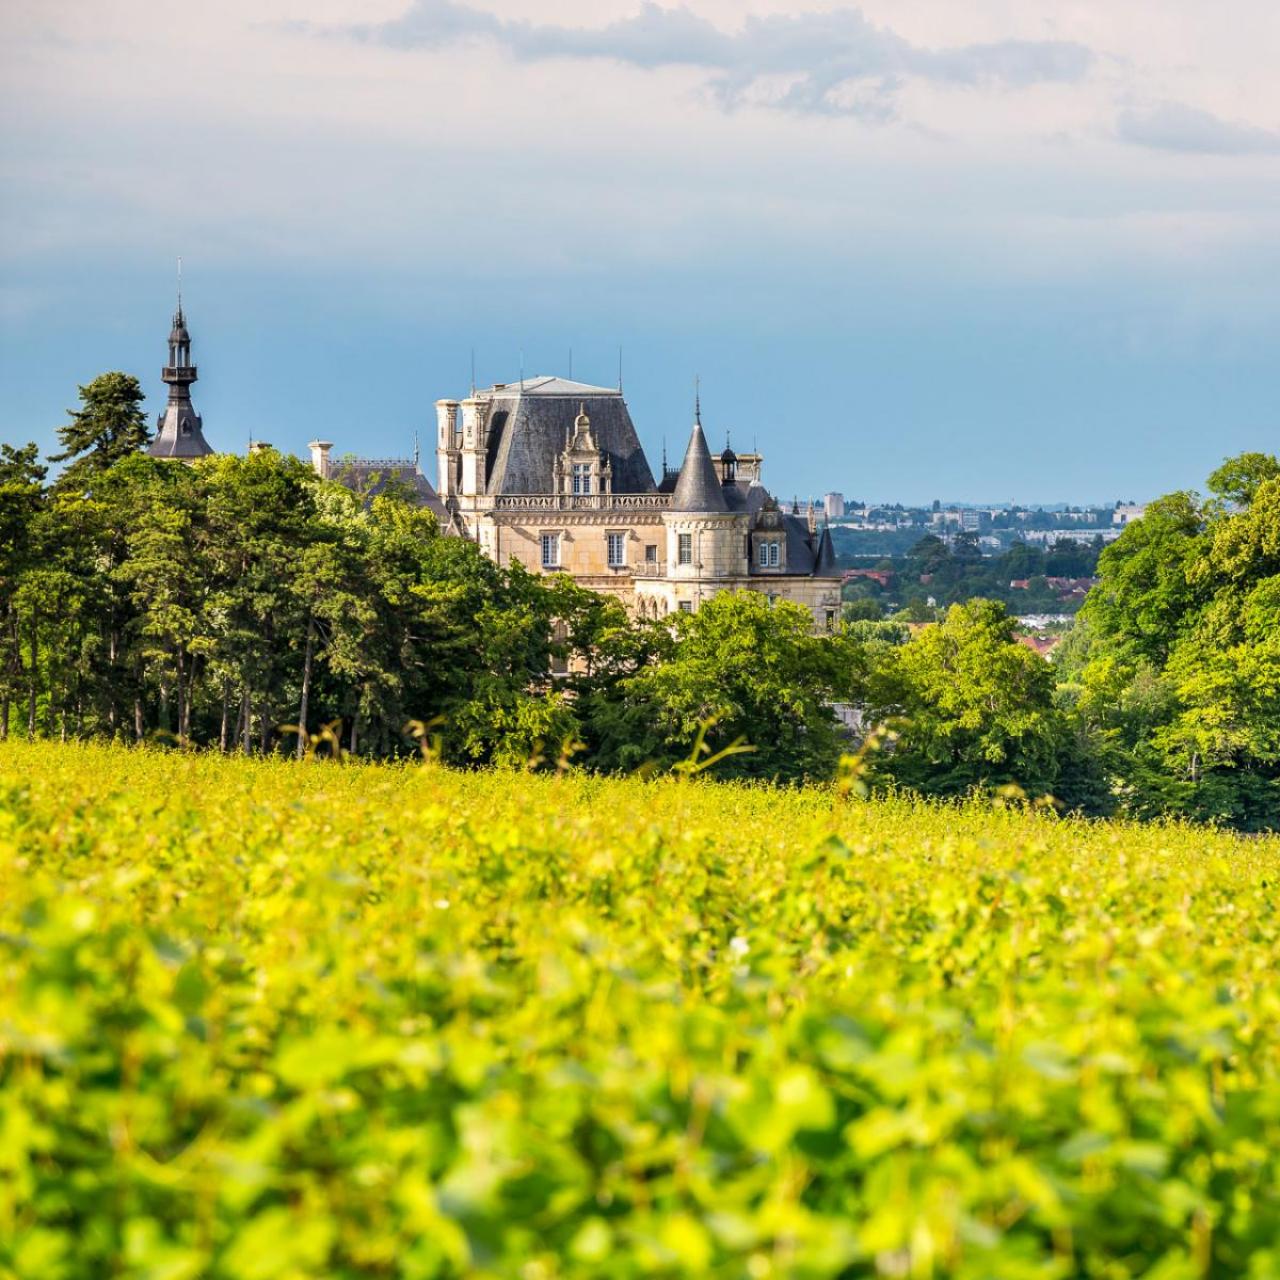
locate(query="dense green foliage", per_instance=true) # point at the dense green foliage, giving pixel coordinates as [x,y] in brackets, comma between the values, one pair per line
[976,708]
[219,602]
[262,1020]
[1177,666]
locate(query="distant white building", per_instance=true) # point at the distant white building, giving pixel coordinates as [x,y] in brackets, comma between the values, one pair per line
[1127,513]
[833,506]
[1047,537]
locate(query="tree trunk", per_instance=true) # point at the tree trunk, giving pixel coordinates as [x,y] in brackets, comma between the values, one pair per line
[4,715]
[264,726]
[306,686]
[226,716]
[355,719]
[246,711]
[184,718]
[31,684]
[180,662]
[112,646]
[139,725]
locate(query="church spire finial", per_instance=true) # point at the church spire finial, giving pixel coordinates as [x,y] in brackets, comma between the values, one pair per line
[697,399]
[179,284]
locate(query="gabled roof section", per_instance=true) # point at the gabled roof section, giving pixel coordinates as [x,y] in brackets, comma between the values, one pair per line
[801,556]
[529,427]
[698,488]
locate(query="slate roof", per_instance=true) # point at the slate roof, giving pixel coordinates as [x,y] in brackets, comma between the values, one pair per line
[826,566]
[529,423]
[370,476]
[179,433]
[743,495]
[699,487]
[801,552]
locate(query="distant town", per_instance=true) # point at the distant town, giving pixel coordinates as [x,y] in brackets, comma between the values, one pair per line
[890,528]
[906,562]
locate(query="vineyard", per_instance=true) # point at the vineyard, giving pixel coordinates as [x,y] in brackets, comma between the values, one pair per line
[262,1020]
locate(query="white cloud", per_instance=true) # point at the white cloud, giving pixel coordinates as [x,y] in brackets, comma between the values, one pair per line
[833,62]
[1174,126]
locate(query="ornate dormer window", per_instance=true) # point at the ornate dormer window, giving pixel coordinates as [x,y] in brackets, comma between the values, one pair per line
[583,468]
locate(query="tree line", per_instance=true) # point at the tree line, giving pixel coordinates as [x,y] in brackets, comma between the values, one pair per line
[952,574]
[245,604]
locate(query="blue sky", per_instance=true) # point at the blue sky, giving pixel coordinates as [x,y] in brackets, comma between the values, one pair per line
[968,249]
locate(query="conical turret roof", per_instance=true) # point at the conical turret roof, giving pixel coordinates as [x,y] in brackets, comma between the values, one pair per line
[698,488]
[826,566]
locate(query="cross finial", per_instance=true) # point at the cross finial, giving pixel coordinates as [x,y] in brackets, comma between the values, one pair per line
[697,399]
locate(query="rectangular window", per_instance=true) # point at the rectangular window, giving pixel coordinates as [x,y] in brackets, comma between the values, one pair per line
[617,548]
[581,477]
[550,550]
[686,606]
[686,548]
[651,553]
[769,555]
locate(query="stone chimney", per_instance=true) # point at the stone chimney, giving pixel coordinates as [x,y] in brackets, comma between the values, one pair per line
[320,457]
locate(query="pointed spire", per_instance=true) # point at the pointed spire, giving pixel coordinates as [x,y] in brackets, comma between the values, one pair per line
[179,431]
[825,565]
[697,489]
[697,399]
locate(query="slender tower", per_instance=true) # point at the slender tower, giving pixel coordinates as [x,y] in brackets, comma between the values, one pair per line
[179,431]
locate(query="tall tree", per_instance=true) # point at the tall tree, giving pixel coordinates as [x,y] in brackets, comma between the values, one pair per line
[758,673]
[975,707]
[108,426]
[22,501]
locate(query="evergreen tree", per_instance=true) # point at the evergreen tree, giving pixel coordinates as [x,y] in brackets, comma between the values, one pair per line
[108,426]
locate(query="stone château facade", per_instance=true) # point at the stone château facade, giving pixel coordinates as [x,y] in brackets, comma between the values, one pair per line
[551,473]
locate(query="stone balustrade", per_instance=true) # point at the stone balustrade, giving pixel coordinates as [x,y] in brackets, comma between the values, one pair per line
[581,501]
